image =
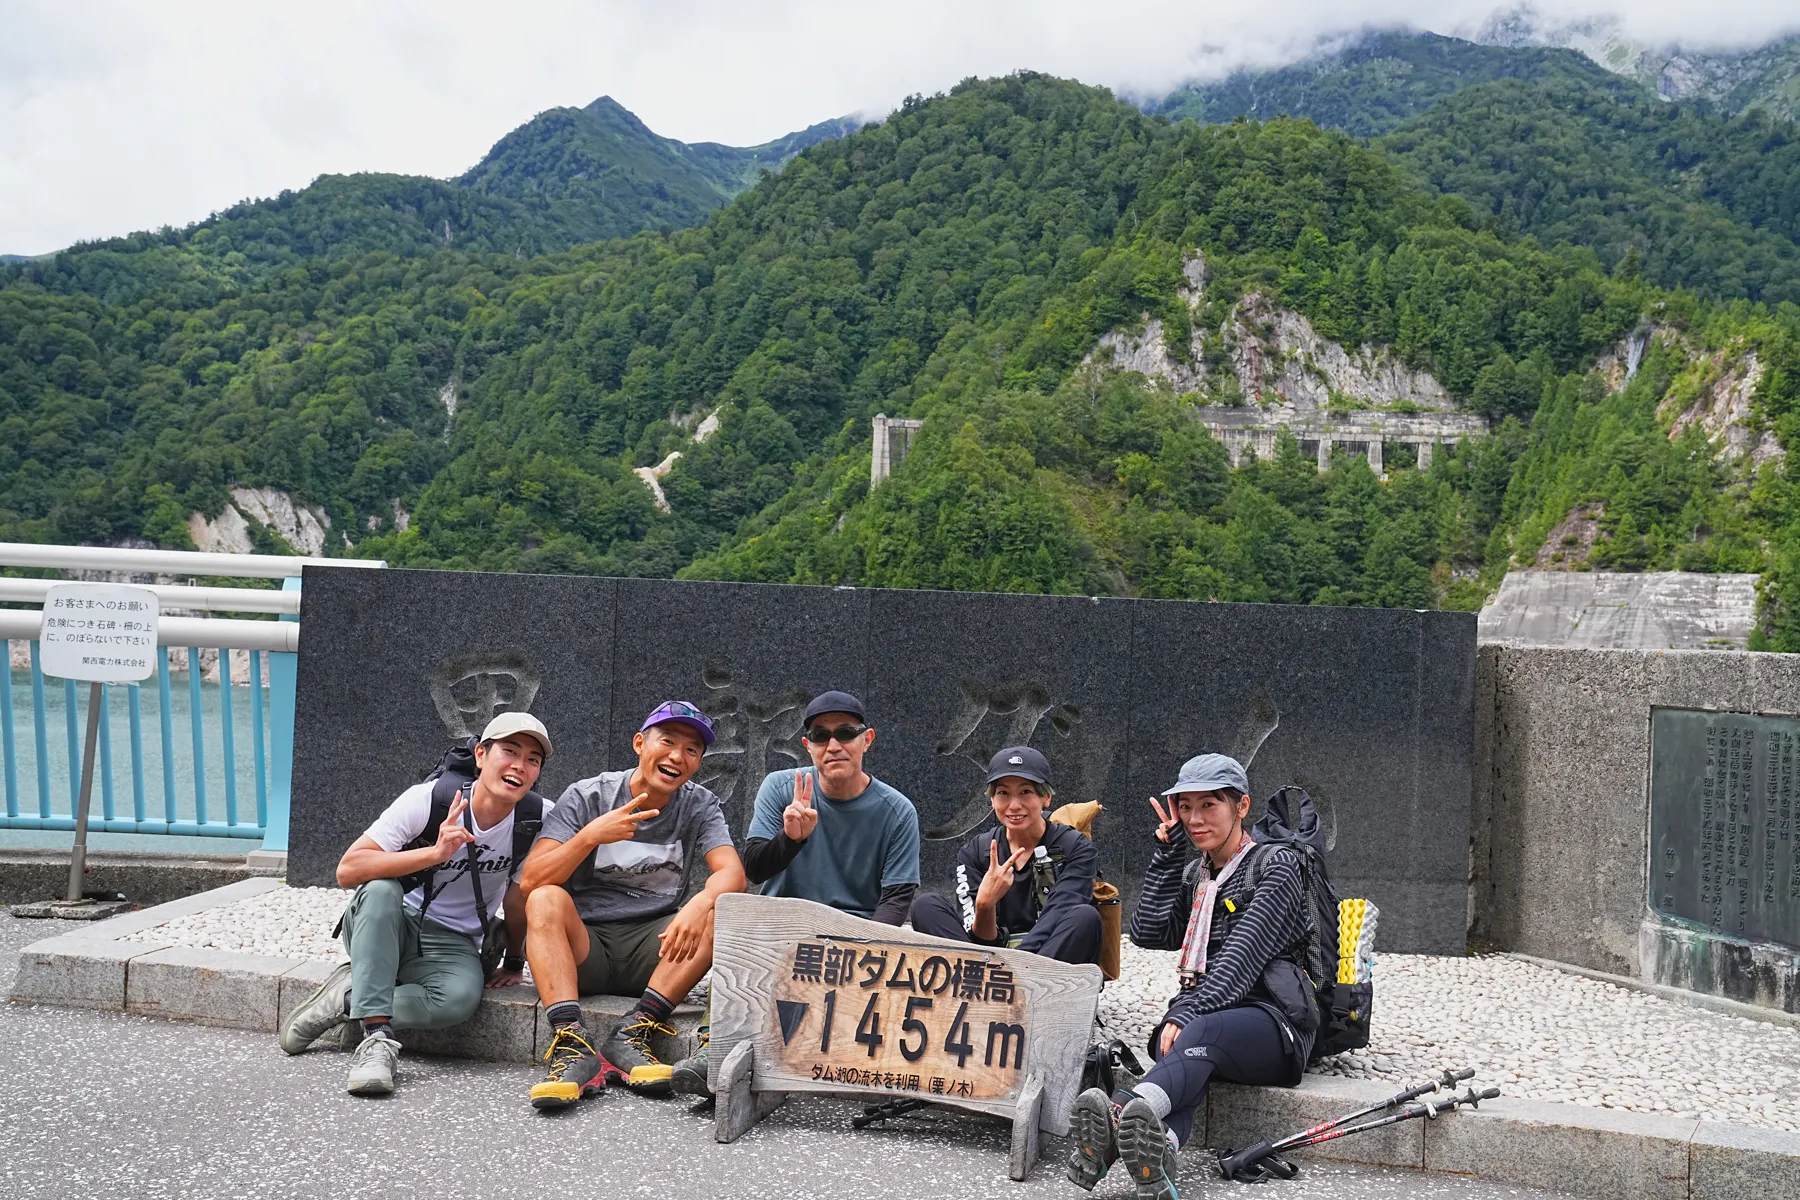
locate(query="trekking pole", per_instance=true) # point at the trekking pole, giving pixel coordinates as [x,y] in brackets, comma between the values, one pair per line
[883,1111]
[1428,1109]
[1234,1161]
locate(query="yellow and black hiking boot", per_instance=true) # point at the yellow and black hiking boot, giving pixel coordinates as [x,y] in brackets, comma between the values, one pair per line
[629,1050]
[688,1077]
[576,1070]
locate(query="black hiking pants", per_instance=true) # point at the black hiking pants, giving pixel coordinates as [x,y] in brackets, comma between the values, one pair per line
[1240,1045]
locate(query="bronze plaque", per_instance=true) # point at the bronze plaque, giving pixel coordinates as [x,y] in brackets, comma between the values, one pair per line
[893,1017]
[1724,852]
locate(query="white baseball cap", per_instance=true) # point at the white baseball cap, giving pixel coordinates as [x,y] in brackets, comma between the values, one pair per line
[508,723]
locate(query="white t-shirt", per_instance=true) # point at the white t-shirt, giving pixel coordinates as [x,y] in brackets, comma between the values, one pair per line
[453,892]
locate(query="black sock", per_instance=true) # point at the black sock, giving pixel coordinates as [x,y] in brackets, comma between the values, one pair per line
[566,1013]
[655,1005]
[372,1026]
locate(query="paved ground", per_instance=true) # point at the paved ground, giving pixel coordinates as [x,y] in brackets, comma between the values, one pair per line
[105,1105]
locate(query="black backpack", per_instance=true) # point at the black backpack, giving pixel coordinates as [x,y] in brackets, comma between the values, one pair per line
[1340,975]
[455,773]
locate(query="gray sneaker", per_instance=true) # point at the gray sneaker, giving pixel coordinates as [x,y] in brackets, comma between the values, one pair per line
[322,1012]
[372,1070]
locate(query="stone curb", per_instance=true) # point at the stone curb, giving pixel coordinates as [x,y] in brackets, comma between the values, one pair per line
[1580,1151]
[95,969]
[1572,1149]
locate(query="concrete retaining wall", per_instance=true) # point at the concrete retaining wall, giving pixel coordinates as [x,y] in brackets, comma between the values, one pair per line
[1560,815]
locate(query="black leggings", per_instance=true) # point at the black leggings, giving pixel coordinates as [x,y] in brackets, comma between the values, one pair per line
[1243,1045]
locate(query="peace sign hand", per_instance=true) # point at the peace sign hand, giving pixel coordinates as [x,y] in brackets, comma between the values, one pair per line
[452,836]
[800,818]
[1169,820]
[1000,874]
[620,824]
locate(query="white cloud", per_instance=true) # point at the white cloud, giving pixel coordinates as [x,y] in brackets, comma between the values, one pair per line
[116,116]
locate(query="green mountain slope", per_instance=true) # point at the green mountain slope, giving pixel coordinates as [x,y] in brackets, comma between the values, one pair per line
[1763,78]
[1557,146]
[1698,201]
[957,263]
[1381,78]
[566,177]
[601,173]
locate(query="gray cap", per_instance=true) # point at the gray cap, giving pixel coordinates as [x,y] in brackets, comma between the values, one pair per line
[1209,773]
[508,723]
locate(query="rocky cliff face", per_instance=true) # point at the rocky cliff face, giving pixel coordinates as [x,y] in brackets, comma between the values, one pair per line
[1275,360]
[303,528]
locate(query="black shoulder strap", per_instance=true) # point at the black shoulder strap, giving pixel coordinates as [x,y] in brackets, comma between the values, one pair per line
[528,821]
[437,818]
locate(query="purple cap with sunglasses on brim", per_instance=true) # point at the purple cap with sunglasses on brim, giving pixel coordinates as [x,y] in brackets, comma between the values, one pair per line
[680,712]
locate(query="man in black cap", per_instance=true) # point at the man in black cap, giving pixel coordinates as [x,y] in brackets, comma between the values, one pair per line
[830,833]
[1027,883]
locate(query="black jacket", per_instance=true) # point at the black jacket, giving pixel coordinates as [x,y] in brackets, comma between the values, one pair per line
[1069,859]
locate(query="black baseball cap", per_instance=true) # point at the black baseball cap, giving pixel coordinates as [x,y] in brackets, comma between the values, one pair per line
[827,702]
[1020,761]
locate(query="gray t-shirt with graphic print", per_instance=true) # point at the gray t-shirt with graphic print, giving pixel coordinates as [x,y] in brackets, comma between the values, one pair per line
[643,877]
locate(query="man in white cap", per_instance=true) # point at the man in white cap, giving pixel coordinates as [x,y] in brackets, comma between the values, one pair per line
[431,877]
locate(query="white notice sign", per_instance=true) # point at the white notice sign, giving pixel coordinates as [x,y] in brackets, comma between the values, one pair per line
[100,632]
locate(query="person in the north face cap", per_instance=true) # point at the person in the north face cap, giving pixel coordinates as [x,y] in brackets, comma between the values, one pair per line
[1026,883]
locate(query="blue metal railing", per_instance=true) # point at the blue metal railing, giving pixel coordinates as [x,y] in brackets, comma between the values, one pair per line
[212,720]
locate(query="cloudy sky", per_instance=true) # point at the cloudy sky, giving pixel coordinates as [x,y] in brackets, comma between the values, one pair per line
[116,117]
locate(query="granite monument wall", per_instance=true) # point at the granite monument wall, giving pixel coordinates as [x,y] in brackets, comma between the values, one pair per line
[1370,709]
[1562,850]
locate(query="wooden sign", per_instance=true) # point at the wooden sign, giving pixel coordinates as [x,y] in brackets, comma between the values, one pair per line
[899,1017]
[809,999]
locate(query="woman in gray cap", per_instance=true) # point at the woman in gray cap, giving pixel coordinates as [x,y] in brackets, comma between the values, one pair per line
[1237,912]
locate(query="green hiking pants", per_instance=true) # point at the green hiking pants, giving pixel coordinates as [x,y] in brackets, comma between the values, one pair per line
[405,966]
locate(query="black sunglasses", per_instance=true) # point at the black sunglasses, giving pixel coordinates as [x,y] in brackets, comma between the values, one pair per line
[818,735]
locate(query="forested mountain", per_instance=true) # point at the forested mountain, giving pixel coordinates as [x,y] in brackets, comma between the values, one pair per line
[1559,147]
[1765,78]
[959,263]
[1379,79]
[568,176]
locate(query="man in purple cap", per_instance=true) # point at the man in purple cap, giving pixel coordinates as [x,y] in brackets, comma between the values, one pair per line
[602,903]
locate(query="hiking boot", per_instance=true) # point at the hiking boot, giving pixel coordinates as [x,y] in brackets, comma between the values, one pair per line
[322,1012]
[629,1049]
[1095,1146]
[372,1070]
[1145,1150]
[576,1070]
[688,1077]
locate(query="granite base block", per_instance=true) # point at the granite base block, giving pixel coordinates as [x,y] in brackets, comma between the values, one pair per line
[1241,1116]
[77,971]
[182,983]
[1564,1148]
[1732,1162]
[503,1029]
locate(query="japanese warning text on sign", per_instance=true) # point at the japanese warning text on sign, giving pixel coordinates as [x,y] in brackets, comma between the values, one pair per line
[101,632]
[901,1018]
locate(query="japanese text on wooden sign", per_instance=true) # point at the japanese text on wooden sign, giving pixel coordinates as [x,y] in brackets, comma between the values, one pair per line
[101,632]
[894,1017]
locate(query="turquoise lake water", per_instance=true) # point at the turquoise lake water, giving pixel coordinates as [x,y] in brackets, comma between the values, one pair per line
[57,769]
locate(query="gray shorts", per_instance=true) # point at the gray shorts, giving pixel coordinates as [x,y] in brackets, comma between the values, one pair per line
[621,956]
